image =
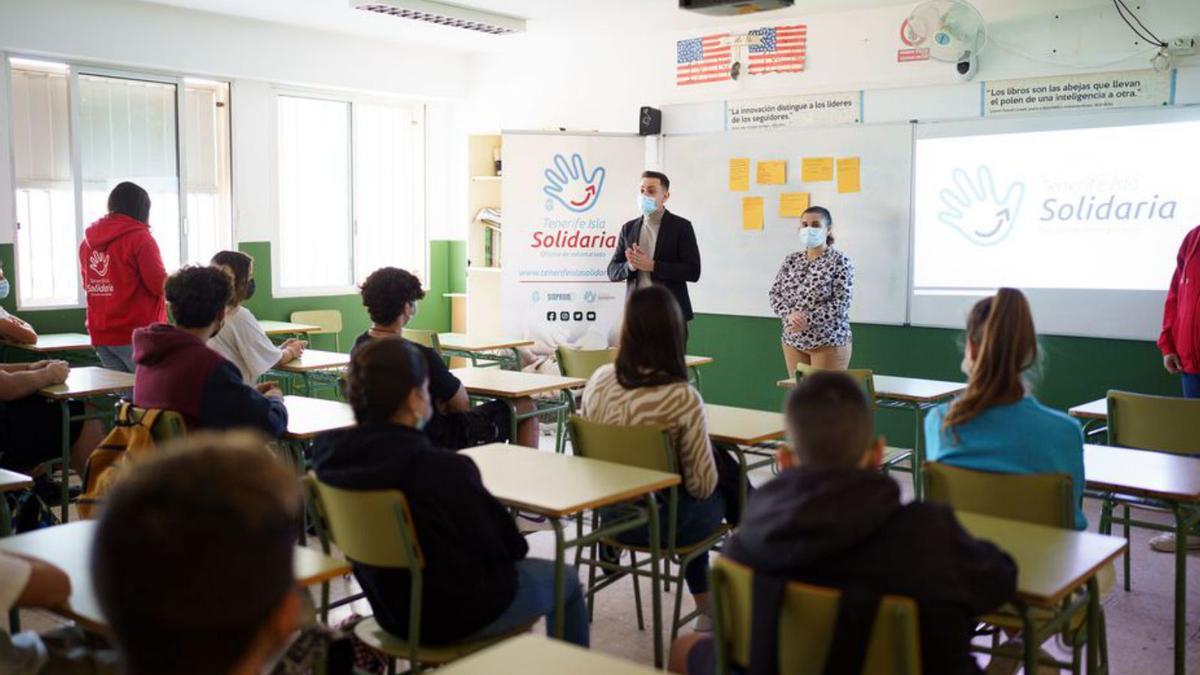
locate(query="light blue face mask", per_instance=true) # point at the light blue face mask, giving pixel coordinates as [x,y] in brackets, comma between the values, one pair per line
[5,288]
[647,204]
[812,237]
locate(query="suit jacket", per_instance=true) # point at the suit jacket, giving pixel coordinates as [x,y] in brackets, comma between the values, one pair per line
[676,258]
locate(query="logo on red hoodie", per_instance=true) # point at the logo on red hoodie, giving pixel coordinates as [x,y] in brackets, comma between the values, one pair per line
[98,262]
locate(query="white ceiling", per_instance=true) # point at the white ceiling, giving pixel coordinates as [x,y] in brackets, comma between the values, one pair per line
[546,17]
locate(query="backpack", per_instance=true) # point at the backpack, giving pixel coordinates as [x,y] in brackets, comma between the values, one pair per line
[130,441]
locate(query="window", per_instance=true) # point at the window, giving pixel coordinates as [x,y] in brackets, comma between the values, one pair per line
[78,133]
[350,191]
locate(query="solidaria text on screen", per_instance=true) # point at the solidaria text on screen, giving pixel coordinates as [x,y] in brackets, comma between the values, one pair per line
[575,239]
[1091,207]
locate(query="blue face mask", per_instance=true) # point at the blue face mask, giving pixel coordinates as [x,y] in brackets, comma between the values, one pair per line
[4,288]
[812,237]
[647,204]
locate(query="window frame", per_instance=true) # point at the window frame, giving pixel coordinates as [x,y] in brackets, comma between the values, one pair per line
[76,68]
[419,110]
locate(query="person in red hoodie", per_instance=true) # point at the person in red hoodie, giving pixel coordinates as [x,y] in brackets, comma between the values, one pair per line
[123,276]
[1180,339]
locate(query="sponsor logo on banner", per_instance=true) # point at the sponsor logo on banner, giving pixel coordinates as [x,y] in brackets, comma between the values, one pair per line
[974,206]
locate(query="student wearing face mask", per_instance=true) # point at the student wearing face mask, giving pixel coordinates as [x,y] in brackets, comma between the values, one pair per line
[242,339]
[657,247]
[177,371]
[811,296]
[13,329]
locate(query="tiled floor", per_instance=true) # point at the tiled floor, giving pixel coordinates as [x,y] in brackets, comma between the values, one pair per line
[1139,621]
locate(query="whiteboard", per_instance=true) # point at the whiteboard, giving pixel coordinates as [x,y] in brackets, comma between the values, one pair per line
[871,226]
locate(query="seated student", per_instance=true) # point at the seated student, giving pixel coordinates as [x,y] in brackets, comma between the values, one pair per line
[996,424]
[832,519]
[477,581]
[26,582]
[192,559]
[648,384]
[390,296]
[177,371]
[31,425]
[13,329]
[241,339]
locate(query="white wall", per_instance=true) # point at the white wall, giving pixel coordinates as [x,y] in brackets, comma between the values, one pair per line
[251,54]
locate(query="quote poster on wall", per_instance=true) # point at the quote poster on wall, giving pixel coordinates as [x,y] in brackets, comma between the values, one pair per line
[1126,89]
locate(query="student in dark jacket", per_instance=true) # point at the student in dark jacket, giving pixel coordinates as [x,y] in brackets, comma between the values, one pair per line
[477,581]
[833,520]
[177,371]
[391,295]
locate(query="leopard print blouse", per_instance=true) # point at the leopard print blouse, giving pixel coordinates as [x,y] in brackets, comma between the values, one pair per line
[821,289]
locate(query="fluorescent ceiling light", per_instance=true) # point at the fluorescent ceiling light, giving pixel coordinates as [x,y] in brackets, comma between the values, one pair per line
[444,14]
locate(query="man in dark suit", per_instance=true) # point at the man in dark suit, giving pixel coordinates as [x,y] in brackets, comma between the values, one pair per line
[657,247]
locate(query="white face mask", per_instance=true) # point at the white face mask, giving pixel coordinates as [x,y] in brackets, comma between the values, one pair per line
[812,237]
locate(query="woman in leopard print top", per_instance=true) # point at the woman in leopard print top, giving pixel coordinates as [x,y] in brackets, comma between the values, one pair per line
[811,296]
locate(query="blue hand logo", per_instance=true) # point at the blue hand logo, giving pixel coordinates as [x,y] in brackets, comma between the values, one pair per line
[977,210]
[572,186]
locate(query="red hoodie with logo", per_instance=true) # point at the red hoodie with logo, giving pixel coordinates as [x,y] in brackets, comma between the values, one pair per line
[1181,316]
[123,277]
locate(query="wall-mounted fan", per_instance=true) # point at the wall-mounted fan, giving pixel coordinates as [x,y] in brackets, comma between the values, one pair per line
[952,30]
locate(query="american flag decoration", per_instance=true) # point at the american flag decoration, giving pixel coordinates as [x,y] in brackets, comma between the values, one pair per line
[703,59]
[781,49]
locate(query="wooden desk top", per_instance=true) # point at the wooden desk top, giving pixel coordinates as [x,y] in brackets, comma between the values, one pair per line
[55,342]
[308,417]
[1092,410]
[742,426]
[89,381]
[69,548]
[316,359]
[1144,473]
[512,384]
[11,481]
[286,327]
[693,361]
[479,343]
[1051,562]
[539,655]
[560,485]
[913,389]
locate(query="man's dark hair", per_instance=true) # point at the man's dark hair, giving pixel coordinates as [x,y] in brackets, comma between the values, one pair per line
[651,347]
[387,291]
[193,554]
[383,372]
[829,420]
[662,178]
[196,294]
[131,200]
[239,265]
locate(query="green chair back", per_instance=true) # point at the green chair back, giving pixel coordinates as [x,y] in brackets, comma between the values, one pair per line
[646,446]
[1162,423]
[1039,498]
[582,363]
[373,527]
[329,321]
[807,617]
[427,338]
[863,376]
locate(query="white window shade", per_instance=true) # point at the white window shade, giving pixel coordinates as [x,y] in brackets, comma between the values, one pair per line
[206,136]
[389,204]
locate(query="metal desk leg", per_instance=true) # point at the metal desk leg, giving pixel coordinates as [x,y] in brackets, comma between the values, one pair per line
[65,467]
[6,524]
[695,377]
[655,581]
[560,579]
[918,456]
[1029,642]
[1181,532]
[1093,628]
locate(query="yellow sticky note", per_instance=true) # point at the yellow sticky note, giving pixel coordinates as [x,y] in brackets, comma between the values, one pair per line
[739,174]
[816,169]
[849,174]
[773,172]
[752,213]
[792,204]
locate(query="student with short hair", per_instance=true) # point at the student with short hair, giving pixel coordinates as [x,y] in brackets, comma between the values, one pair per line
[177,371]
[123,276]
[31,424]
[478,581]
[648,384]
[390,295]
[192,559]
[997,424]
[242,340]
[832,519]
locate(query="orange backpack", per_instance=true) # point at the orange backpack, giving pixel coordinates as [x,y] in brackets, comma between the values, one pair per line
[130,441]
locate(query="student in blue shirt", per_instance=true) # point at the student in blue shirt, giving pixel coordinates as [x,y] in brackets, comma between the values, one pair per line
[996,424]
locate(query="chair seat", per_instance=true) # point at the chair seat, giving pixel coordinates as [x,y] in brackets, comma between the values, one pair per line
[721,531]
[373,635]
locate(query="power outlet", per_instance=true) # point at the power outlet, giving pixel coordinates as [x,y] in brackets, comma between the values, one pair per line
[1184,46]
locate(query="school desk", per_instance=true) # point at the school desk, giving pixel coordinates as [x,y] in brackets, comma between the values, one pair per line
[509,385]
[69,547]
[738,430]
[693,363]
[287,328]
[73,347]
[562,486]
[536,655]
[82,383]
[10,481]
[476,348]
[1094,416]
[314,365]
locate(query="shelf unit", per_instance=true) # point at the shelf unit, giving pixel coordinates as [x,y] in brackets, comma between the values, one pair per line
[483,248]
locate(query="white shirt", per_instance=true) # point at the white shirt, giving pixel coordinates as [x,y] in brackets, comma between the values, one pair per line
[243,342]
[23,653]
[647,240]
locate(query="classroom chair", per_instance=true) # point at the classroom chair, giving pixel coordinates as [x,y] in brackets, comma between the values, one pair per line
[1146,422]
[425,338]
[582,363]
[375,527]
[1044,499]
[807,618]
[647,447]
[329,321]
